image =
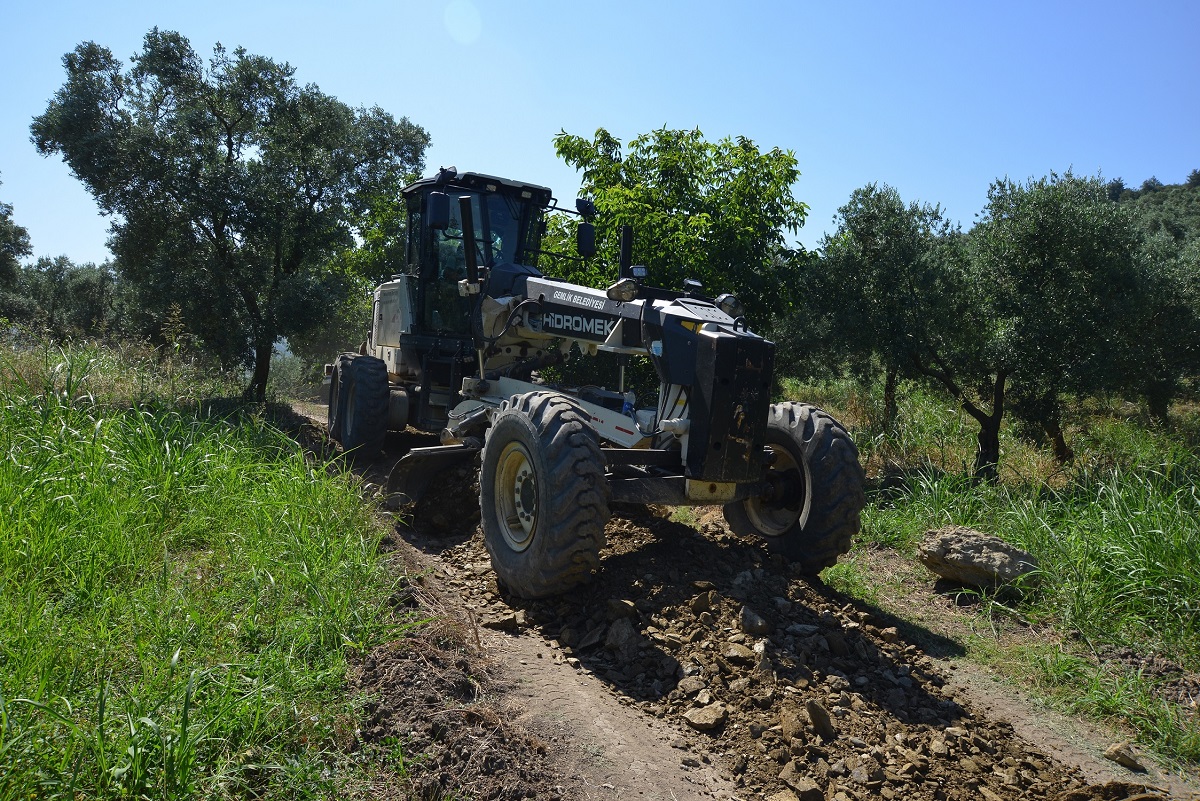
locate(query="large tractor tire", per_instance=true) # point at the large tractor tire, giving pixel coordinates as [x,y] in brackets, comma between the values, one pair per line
[543,495]
[362,414]
[814,513]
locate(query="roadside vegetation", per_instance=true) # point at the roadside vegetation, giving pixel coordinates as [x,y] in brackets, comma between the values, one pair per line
[180,588]
[1116,533]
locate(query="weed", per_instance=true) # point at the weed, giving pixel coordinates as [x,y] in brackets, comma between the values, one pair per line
[848,578]
[685,515]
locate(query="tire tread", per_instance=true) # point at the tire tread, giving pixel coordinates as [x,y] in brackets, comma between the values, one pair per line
[573,513]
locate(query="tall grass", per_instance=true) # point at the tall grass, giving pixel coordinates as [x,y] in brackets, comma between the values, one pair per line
[1119,553]
[178,591]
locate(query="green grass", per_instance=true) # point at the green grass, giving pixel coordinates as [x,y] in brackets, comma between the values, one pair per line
[178,591]
[848,577]
[1117,535]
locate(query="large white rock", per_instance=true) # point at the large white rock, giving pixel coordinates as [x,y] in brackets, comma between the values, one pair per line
[973,558]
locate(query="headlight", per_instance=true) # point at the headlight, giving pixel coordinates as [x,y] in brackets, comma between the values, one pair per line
[623,291]
[731,305]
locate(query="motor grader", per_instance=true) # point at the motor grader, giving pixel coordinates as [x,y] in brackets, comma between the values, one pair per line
[461,344]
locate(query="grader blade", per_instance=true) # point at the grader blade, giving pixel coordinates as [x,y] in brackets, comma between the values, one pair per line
[413,474]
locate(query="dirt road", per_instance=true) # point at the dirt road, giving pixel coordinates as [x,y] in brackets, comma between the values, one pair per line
[698,666]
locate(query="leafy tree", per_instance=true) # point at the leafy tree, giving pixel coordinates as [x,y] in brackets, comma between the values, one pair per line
[882,286]
[1172,209]
[230,185]
[718,212]
[353,274]
[1032,304]
[1056,260]
[347,316]
[1165,347]
[900,293]
[71,300]
[1163,331]
[14,244]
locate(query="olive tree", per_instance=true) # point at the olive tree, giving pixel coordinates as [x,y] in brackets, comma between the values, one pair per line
[1057,262]
[882,285]
[1039,300]
[14,244]
[230,185]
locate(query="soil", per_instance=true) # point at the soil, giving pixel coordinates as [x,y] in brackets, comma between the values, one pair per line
[696,665]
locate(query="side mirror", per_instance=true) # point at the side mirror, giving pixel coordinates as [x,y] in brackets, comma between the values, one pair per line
[437,211]
[585,240]
[625,259]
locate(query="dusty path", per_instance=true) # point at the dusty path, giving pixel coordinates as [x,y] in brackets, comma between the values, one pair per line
[1069,741]
[999,744]
[613,750]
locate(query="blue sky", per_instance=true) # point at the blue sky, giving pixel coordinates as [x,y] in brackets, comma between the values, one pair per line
[937,99]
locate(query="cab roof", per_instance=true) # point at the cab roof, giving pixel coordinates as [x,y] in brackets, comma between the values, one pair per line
[447,177]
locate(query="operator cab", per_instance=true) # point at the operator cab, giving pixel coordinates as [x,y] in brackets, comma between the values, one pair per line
[507,218]
[431,344]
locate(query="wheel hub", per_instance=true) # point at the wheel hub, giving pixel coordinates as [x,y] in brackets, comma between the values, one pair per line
[775,513]
[517,496]
[525,497]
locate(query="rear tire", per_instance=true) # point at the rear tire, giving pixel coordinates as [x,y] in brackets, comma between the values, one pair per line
[362,413]
[337,397]
[543,495]
[816,512]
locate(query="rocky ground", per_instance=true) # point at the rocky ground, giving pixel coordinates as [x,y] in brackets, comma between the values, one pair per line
[695,665]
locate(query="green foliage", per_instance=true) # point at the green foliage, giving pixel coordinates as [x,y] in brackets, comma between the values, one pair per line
[178,591]
[558,259]
[291,377]
[718,212]
[1057,292]
[347,317]
[1057,261]
[1106,690]
[894,292]
[1034,303]
[1164,321]
[66,300]
[885,288]
[1164,325]
[1172,210]
[14,244]
[232,186]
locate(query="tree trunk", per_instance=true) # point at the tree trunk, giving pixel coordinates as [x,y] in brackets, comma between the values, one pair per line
[1062,451]
[264,345]
[1158,399]
[889,400]
[257,391]
[987,455]
[262,324]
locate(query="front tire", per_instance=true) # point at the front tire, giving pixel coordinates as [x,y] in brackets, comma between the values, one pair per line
[543,495]
[815,512]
